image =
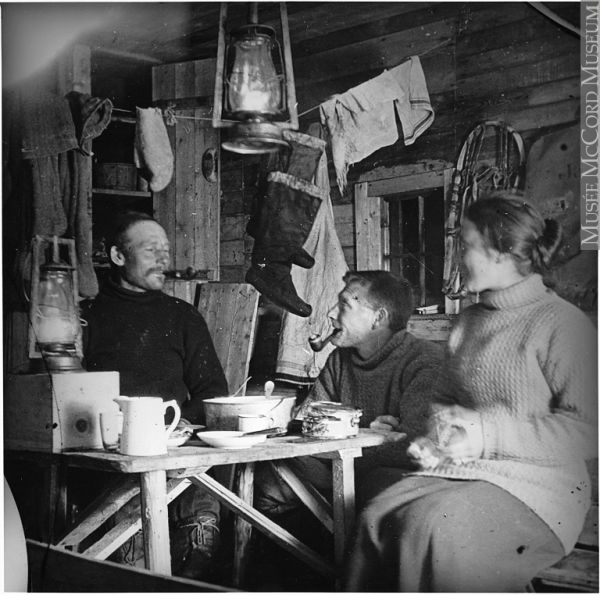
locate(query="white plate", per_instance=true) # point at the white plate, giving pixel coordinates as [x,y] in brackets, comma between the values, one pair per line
[230,440]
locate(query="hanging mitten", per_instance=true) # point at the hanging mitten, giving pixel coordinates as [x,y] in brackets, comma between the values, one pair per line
[152,151]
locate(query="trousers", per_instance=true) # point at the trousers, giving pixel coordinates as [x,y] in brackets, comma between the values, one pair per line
[190,509]
[434,535]
[273,496]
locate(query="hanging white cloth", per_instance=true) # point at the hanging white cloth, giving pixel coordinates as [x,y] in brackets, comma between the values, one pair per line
[319,286]
[362,120]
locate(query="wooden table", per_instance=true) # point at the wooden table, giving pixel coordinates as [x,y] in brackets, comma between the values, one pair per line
[159,479]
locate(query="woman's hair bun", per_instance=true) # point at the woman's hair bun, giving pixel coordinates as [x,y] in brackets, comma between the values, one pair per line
[549,242]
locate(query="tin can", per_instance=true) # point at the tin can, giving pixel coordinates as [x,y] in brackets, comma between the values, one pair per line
[327,419]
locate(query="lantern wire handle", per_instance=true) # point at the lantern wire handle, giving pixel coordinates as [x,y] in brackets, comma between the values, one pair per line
[253,13]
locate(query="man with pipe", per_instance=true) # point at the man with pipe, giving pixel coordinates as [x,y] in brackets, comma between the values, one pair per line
[378,367]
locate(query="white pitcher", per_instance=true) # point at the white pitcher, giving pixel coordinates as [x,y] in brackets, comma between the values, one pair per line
[144,432]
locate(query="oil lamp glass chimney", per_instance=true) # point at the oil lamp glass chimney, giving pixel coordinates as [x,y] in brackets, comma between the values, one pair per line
[56,320]
[253,86]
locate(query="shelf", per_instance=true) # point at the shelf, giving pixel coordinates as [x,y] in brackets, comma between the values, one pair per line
[137,193]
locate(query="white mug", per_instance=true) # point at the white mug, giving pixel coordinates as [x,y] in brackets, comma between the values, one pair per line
[253,423]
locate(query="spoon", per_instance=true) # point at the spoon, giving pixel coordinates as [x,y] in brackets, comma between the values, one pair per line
[269,386]
[268,431]
[241,386]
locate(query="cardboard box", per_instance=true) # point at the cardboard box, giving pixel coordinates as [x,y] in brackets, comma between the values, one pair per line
[57,412]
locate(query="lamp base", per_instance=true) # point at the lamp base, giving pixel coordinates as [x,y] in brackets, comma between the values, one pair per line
[58,357]
[251,138]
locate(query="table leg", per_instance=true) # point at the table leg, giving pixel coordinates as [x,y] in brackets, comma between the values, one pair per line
[155,521]
[54,510]
[343,503]
[243,529]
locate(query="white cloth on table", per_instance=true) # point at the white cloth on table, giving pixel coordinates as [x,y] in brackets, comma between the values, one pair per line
[362,120]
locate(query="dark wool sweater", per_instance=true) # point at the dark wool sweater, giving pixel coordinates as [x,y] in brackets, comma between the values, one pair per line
[160,346]
[399,380]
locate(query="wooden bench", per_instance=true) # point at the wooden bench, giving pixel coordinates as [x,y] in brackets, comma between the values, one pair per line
[53,569]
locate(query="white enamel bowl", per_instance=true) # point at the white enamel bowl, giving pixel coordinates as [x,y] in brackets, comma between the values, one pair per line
[229,439]
[222,412]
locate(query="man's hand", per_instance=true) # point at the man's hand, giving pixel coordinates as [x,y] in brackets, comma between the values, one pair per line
[385,423]
[390,425]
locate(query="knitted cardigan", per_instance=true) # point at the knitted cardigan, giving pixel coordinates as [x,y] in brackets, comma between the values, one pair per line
[526,360]
[160,346]
[399,379]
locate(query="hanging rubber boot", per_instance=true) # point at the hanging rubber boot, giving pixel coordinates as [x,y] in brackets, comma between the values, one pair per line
[287,212]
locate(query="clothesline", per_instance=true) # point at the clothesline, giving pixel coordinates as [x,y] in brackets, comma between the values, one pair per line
[170,114]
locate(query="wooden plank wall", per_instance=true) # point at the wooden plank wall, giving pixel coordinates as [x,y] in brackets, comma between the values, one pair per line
[482,61]
[189,207]
[238,175]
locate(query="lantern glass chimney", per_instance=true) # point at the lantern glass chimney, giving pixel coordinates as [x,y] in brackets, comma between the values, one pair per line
[254,88]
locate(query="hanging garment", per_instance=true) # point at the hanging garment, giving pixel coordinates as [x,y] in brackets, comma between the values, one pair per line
[46,130]
[46,125]
[362,120]
[152,153]
[287,205]
[320,285]
[55,174]
[91,116]
[289,208]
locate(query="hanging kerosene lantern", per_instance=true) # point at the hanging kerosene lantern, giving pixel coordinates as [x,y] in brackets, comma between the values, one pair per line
[55,327]
[254,85]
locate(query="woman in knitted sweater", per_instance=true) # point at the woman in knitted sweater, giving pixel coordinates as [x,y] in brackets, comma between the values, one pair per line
[504,488]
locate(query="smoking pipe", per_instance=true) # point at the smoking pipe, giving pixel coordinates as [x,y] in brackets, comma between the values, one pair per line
[317,343]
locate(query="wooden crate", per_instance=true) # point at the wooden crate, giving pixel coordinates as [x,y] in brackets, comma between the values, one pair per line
[56,412]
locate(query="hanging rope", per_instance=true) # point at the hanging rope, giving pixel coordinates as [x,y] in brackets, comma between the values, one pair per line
[467,181]
[171,117]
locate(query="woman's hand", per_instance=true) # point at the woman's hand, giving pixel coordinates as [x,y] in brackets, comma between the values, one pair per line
[459,432]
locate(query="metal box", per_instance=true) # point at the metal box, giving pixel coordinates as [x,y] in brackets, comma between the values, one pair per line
[56,412]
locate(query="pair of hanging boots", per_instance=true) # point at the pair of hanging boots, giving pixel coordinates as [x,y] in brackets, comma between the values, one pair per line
[287,205]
